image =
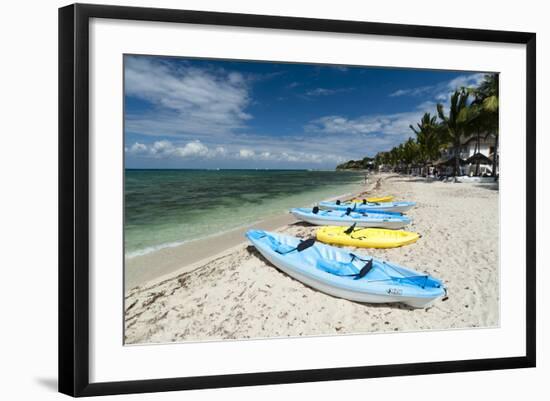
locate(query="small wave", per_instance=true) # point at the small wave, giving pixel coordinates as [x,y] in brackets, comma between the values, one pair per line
[151,249]
[155,248]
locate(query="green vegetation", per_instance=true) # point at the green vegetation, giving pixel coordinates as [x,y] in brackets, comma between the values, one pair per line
[472,112]
[364,164]
[486,106]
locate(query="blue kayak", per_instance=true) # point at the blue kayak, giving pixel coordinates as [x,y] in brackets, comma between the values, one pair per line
[396,207]
[343,274]
[348,218]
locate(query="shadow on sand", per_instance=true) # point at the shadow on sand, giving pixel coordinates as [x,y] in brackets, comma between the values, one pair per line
[491,186]
[301,224]
[494,186]
[417,179]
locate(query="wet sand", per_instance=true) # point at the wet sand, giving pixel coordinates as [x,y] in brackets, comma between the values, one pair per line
[182,258]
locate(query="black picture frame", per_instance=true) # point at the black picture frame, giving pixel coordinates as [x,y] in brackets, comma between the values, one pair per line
[74,198]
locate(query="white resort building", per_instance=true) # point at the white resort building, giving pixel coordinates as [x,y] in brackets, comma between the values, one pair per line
[476,157]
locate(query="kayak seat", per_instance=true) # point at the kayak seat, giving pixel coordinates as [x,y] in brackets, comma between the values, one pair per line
[336,268]
[278,246]
[256,234]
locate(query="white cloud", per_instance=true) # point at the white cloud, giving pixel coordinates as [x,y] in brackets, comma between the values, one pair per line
[236,78]
[387,124]
[138,148]
[412,91]
[462,81]
[428,105]
[166,149]
[162,148]
[220,151]
[265,155]
[442,90]
[325,91]
[246,154]
[399,92]
[195,150]
[186,99]
[465,81]
[320,92]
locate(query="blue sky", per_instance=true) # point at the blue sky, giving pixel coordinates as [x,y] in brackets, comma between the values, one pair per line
[192,113]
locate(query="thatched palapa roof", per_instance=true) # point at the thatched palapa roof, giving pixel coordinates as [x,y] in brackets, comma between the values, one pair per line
[479,158]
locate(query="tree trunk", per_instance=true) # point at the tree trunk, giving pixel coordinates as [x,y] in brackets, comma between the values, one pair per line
[478,144]
[457,158]
[495,153]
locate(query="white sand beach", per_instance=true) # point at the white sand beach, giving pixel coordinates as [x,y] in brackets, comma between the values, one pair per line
[237,294]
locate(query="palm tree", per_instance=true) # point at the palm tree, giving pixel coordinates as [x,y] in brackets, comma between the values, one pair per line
[395,157]
[400,151]
[457,125]
[411,153]
[478,122]
[428,137]
[385,158]
[487,102]
[381,158]
[478,126]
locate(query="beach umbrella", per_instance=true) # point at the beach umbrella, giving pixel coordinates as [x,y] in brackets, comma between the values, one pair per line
[479,158]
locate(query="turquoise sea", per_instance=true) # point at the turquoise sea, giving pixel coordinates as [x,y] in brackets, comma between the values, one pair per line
[169,207]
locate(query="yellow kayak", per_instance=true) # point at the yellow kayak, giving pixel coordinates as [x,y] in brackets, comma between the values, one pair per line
[379,199]
[366,237]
